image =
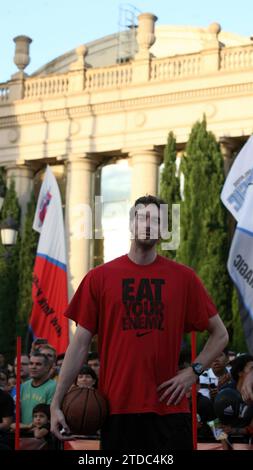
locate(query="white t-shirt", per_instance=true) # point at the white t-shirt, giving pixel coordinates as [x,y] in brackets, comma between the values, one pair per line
[206,379]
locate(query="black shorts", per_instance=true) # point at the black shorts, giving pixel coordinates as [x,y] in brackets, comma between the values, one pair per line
[147,432]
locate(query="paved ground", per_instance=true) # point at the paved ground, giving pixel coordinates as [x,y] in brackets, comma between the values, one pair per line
[94,445]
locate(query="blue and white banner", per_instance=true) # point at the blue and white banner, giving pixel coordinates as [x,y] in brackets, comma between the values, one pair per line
[240,261]
[240,175]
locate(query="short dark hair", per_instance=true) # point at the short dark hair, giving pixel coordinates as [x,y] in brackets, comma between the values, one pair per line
[39,354]
[145,201]
[60,357]
[238,364]
[42,408]
[93,355]
[149,199]
[48,347]
[89,371]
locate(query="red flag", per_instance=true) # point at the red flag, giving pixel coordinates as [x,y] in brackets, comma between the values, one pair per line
[50,274]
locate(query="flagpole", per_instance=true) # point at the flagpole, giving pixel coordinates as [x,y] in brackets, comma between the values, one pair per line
[194,394]
[17,430]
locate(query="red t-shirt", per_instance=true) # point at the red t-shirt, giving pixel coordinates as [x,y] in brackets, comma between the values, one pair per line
[140,314]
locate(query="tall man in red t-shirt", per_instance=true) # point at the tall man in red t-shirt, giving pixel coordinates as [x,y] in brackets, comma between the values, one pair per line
[140,305]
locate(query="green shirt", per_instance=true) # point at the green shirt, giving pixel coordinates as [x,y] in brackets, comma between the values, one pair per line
[32,396]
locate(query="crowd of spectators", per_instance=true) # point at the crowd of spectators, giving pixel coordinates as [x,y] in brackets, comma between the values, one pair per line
[38,375]
[221,404]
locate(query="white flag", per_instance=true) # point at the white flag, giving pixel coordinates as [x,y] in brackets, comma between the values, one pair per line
[49,290]
[237,195]
[52,238]
[240,175]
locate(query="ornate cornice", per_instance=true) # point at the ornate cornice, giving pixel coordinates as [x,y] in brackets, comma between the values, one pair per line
[165,99]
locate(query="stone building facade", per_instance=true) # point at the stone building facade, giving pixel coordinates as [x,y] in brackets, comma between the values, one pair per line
[90,107]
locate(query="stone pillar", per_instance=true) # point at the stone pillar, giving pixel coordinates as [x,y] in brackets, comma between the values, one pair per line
[79,214]
[22,176]
[77,70]
[145,172]
[211,49]
[98,230]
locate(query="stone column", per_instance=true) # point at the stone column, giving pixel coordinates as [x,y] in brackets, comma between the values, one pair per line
[98,245]
[77,70]
[22,176]
[145,172]
[211,49]
[79,218]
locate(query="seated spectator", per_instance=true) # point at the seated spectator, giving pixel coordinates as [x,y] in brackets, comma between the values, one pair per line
[37,344]
[239,420]
[50,352]
[216,376]
[6,417]
[39,389]
[24,367]
[94,362]
[24,373]
[205,413]
[11,387]
[59,362]
[41,421]
[86,378]
[4,365]
[231,356]
[4,379]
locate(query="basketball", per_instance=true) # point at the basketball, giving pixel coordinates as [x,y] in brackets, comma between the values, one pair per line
[85,410]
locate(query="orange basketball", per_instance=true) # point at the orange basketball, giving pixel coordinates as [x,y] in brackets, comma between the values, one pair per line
[85,410]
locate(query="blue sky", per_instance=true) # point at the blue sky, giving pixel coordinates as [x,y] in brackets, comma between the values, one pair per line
[57,26]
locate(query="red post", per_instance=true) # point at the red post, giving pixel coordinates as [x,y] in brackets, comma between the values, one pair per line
[194,394]
[17,432]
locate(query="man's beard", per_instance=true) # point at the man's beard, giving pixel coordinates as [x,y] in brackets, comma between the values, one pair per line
[146,243]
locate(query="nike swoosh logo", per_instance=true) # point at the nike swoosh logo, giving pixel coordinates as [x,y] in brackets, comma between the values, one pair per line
[142,334]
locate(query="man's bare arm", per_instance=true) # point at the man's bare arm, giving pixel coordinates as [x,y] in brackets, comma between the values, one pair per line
[75,357]
[217,341]
[247,387]
[177,387]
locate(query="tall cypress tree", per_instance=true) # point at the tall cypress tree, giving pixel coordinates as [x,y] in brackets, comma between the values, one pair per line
[239,343]
[2,177]
[170,184]
[204,230]
[28,248]
[9,279]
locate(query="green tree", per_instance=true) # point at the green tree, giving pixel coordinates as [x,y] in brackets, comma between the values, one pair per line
[204,229]
[28,246]
[170,184]
[9,278]
[238,343]
[2,177]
